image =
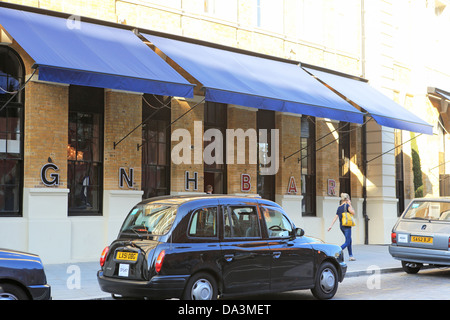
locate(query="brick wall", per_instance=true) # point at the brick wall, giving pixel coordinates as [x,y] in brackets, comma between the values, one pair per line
[289,127]
[46,128]
[179,107]
[123,113]
[327,163]
[241,118]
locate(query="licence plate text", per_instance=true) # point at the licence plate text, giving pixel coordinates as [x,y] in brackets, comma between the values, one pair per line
[128,256]
[422,239]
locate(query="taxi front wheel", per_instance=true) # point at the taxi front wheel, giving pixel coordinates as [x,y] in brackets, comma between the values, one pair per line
[326,283]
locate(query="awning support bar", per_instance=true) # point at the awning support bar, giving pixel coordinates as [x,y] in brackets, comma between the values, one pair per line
[146,119]
[170,124]
[382,154]
[331,132]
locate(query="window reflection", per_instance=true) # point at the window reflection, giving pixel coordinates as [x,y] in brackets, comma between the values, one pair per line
[155,144]
[11,133]
[84,150]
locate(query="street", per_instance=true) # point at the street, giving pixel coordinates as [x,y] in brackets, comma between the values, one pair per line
[431,284]
[364,281]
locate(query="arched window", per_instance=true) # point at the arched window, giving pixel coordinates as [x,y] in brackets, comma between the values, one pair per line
[11,132]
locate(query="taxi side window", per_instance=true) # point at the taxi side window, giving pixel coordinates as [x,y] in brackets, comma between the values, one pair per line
[278,226]
[204,223]
[241,222]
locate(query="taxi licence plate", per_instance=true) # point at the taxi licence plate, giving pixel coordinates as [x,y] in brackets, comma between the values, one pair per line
[127,256]
[422,239]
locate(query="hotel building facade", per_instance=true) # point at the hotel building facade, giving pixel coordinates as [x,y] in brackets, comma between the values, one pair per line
[104,103]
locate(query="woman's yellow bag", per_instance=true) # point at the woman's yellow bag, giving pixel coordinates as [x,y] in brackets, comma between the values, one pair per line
[347,220]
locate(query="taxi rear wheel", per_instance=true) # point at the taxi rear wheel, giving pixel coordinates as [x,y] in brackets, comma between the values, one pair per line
[11,292]
[201,286]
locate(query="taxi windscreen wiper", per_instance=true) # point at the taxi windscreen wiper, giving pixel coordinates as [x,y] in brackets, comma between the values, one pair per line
[139,231]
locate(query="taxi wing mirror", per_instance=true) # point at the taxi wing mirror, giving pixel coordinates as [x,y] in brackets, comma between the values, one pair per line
[299,232]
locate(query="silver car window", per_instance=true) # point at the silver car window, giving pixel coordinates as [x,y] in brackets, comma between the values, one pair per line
[429,210]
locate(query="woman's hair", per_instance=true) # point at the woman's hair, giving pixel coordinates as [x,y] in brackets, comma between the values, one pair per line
[345,197]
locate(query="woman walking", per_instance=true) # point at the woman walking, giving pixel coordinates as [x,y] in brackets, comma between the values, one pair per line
[345,206]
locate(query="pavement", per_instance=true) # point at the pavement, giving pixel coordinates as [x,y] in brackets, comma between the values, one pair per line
[78,281]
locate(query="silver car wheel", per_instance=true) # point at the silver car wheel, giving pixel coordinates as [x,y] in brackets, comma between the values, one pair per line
[327,280]
[8,296]
[202,290]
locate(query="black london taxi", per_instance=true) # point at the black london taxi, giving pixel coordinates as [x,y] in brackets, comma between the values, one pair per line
[206,247]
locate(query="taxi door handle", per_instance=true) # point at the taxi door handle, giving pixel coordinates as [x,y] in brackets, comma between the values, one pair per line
[276,254]
[288,243]
[229,257]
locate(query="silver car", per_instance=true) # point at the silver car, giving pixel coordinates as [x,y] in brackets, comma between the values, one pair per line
[422,234]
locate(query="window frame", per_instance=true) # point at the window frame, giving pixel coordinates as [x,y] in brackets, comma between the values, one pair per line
[227,211]
[283,217]
[308,157]
[77,107]
[191,219]
[266,184]
[213,8]
[216,117]
[269,20]
[161,119]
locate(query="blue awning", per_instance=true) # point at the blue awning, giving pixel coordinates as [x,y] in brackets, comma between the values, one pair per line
[383,110]
[81,53]
[241,79]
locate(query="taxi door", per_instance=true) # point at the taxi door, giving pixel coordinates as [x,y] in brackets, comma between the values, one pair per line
[246,256]
[292,264]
